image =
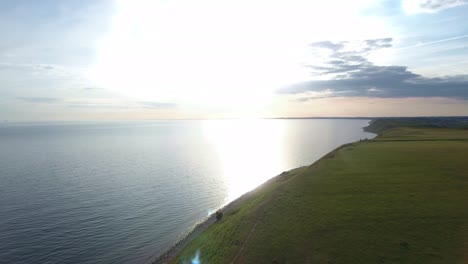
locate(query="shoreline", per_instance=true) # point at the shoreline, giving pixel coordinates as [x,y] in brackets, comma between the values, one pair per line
[169,255]
[346,194]
[175,250]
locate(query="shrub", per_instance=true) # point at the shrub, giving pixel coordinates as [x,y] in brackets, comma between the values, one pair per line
[219,215]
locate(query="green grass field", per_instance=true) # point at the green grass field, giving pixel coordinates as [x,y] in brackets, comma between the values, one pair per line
[402,198]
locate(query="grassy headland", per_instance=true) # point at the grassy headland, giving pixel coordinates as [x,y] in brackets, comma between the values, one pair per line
[400,198]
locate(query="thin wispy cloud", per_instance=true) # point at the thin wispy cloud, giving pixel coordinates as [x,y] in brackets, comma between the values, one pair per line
[91,88]
[119,105]
[433,42]
[45,100]
[91,103]
[430,6]
[157,105]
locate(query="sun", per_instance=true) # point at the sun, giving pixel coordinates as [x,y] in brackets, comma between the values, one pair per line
[212,53]
[166,51]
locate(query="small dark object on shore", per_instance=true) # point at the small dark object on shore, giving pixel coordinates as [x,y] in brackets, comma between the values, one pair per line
[219,215]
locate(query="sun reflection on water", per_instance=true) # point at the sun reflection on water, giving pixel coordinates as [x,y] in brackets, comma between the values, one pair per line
[250,151]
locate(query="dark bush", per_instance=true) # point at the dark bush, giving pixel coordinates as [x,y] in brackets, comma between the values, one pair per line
[219,215]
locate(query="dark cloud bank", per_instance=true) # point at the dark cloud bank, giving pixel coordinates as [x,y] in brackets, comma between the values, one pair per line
[350,73]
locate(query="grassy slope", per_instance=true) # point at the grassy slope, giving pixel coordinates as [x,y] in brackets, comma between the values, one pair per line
[378,201]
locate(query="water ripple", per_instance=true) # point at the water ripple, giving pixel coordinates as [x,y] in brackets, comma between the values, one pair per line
[122,192]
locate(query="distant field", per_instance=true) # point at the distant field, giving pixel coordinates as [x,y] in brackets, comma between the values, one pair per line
[424,134]
[402,198]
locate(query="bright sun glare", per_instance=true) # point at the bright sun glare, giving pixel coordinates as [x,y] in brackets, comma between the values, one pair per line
[212,53]
[167,52]
[249,150]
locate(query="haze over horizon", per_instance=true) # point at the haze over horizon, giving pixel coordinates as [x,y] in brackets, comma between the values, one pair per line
[176,59]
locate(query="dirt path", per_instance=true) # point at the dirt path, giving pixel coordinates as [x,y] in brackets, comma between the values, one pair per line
[245,242]
[260,215]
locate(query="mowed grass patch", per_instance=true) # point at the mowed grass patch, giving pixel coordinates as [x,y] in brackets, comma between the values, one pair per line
[369,202]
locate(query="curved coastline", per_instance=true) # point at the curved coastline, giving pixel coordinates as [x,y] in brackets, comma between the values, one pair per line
[176,249]
[343,199]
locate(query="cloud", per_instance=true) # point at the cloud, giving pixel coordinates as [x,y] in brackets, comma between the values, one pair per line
[157,105]
[92,88]
[116,104]
[45,100]
[435,42]
[98,103]
[39,69]
[430,6]
[42,66]
[345,56]
[349,73]
[96,106]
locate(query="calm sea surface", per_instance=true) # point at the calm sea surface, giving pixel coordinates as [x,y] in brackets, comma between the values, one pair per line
[123,192]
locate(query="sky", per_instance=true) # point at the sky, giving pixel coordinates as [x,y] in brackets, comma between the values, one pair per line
[66,60]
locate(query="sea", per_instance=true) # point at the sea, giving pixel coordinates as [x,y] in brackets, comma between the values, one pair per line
[125,192]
